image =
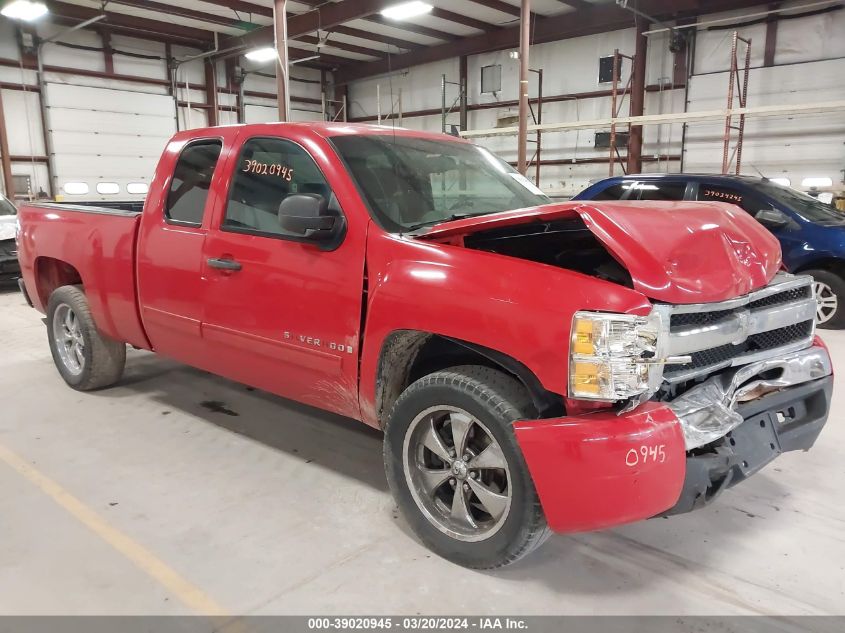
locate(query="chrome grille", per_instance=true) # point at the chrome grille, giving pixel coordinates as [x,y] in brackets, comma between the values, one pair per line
[770,321]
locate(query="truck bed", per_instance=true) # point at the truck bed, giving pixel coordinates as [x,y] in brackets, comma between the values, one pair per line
[84,244]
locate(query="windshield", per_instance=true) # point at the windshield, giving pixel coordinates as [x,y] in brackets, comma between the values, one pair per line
[410,183]
[806,206]
[6,207]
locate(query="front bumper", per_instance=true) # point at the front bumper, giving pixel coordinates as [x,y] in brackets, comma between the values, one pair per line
[789,420]
[602,469]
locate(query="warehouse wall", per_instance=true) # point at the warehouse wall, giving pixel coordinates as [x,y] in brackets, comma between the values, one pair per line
[111,131]
[807,68]
[118,135]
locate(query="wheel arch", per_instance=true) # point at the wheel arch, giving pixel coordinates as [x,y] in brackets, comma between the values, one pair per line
[831,264]
[407,355]
[51,273]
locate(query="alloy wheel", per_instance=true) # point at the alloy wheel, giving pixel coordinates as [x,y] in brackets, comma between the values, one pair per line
[457,473]
[826,302]
[67,335]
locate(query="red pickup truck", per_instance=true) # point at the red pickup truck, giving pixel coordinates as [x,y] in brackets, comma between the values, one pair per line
[535,366]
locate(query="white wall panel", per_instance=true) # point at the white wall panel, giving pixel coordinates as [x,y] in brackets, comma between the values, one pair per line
[23,123]
[811,38]
[795,147]
[107,135]
[8,43]
[57,54]
[270,113]
[126,65]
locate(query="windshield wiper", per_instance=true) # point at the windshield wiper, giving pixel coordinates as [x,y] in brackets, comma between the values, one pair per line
[454,216]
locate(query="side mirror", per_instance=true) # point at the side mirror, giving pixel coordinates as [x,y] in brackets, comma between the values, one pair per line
[307,215]
[772,218]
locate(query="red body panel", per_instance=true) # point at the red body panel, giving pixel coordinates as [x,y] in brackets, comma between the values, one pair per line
[678,252]
[101,247]
[602,469]
[516,307]
[290,320]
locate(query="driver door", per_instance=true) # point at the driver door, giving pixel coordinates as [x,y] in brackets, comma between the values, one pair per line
[283,314]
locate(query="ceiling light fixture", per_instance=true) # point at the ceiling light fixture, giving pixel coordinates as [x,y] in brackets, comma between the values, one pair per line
[24,10]
[784,182]
[406,10]
[262,54]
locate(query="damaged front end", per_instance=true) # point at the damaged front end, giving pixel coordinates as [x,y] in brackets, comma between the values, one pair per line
[710,410]
[739,421]
[758,384]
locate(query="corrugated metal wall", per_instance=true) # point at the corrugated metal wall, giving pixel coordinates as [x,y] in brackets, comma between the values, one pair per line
[809,64]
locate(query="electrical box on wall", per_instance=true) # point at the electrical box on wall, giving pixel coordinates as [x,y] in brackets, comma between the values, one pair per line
[491,78]
[606,69]
[603,140]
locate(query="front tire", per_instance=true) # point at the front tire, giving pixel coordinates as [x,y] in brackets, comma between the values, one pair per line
[829,290]
[456,470]
[85,358]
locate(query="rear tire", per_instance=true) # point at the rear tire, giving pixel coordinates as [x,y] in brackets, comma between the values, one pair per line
[85,358]
[456,470]
[829,290]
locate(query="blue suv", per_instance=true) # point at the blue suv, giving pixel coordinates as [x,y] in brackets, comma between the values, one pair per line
[811,233]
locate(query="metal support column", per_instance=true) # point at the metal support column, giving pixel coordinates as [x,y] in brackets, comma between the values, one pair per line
[738,79]
[524,39]
[446,110]
[280,26]
[635,137]
[462,79]
[211,91]
[617,99]
[8,181]
[537,117]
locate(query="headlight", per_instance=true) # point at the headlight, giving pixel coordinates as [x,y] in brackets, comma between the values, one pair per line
[613,356]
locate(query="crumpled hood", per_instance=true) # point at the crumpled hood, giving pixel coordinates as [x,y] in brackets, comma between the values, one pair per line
[678,252]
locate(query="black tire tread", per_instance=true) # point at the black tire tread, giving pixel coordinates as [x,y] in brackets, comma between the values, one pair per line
[510,401]
[108,357]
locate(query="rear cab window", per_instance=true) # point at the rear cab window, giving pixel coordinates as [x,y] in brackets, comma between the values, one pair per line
[191,182]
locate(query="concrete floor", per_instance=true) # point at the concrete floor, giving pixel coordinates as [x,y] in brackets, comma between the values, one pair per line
[141,500]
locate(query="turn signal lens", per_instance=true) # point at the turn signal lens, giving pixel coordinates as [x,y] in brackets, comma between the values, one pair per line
[588,378]
[582,340]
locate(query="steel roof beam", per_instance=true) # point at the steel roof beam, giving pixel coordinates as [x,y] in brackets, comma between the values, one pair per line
[323,17]
[175,10]
[598,19]
[130,22]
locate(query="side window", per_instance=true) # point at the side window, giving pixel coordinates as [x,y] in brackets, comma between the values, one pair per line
[614,192]
[720,193]
[659,190]
[191,182]
[269,169]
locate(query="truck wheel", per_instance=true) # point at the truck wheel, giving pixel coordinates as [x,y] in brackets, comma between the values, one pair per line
[456,471]
[85,358]
[829,290]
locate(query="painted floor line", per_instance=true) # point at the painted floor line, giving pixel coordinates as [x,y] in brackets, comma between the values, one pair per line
[193,597]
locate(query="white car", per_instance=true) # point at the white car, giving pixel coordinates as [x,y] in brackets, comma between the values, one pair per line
[9,267]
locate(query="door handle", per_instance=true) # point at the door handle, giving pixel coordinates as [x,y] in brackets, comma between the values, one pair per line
[224,264]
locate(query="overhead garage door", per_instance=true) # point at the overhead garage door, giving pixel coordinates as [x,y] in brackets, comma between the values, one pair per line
[105,137]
